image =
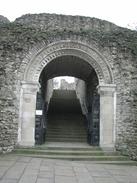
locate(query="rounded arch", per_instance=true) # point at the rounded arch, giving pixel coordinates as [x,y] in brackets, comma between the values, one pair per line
[37,59]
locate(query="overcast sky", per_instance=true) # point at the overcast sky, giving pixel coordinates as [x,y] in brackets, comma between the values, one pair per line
[120,12]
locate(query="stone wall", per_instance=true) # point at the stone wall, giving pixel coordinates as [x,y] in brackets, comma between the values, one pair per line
[3,20]
[64,85]
[117,44]
[81,95]
[49,91]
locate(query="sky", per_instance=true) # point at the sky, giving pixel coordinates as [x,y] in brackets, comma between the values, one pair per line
[120,12]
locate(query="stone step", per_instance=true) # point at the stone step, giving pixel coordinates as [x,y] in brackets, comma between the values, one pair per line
[67,146]
[66,133]
[71,151]
[71,139]
[76,135]
[65,140]
[76,157]
[71,126]
[66,136]
[66,121]
[63,124]
[66,128]
[67,118]
[65,153]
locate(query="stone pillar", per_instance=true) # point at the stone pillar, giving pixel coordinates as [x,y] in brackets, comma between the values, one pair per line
[107,116]
[27,113]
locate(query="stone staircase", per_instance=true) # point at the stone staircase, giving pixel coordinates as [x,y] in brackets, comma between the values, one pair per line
[65,120]
[66,128]
[72,151]
[64,101]
[66,136]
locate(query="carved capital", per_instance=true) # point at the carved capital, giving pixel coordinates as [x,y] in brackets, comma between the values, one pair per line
[106,89]
[30,87]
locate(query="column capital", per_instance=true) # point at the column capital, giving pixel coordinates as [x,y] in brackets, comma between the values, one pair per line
[30,86]
[106,89]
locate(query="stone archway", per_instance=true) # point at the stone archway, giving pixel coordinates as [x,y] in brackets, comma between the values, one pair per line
[37,60]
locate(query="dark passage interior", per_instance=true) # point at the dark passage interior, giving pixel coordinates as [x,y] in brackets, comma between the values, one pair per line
[65,120]
[68,115]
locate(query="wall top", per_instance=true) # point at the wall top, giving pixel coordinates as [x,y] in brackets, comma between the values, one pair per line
[59,22]
[3,19]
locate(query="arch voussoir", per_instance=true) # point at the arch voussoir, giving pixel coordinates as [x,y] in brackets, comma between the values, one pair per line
[49,53]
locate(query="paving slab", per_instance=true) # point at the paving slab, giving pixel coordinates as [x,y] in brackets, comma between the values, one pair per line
[21,169]
[46,174]
[65,179]
[45,180]
[8,181]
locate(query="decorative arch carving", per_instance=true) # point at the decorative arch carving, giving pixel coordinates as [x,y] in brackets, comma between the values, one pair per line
[39,58]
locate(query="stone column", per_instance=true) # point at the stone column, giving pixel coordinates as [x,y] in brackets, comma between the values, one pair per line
[107,116]
[27,113]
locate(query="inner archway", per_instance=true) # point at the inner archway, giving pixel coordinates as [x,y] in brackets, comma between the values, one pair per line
[79,104]
[87,61]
